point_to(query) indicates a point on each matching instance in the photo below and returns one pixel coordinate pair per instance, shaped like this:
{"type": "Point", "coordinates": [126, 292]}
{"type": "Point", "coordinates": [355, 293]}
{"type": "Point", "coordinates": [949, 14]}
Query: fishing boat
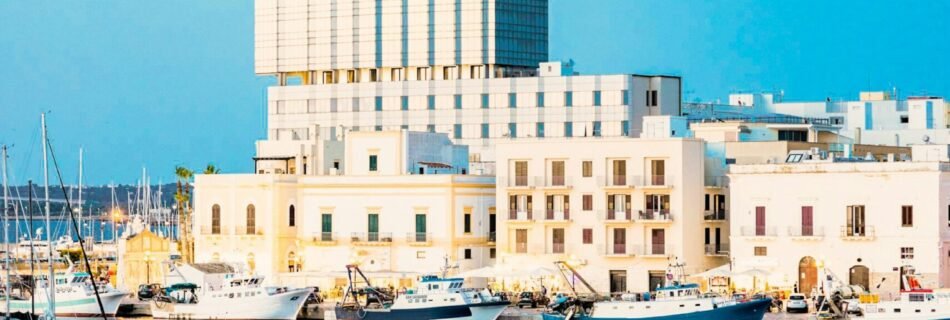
{"type": "Point", "coordinates": [74, 297]}
{"type": "Point", "coordinates": [674, 301]}
{"type": "Point", "coordinates": [242, 298]}
{"type": "Point", "coordinates": [434, 299]}
{"type": "Point", "coordinates": [915, 302]}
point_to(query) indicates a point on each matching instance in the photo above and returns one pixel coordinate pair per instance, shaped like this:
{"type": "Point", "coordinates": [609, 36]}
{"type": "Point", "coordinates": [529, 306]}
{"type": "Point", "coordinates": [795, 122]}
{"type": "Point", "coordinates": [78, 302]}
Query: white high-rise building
{"type": "Point", "coordinates": [474, 69]}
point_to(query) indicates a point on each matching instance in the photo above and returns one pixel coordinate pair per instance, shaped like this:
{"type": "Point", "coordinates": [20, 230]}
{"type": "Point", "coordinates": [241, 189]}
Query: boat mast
{"type": "Point", "coordinates": [32, 251]}
{"type": "Point", "coordinates": [80, 191]}
{"type": "Point", "coordinates": [51, 282]}
{"type": "Point", "coordinates": [6, 230]}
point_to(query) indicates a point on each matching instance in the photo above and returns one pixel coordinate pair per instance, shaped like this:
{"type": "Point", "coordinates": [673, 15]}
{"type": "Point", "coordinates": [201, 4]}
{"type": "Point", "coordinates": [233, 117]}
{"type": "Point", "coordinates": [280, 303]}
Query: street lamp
{"type": "Point", "coordinates": [148, 267]}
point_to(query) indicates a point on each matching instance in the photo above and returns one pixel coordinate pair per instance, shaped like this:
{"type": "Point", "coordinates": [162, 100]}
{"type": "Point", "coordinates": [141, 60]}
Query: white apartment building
{"type": "Point", "coordinates": [472, 69]}
{"type": "Point", "coordinates": [876, 118]}
{"type": "Point", "coordinates": [620, 209]}
{"type": "Point", "coordinates": [864, 221]}
{"type": "Point", "coordinates": [380, 212]}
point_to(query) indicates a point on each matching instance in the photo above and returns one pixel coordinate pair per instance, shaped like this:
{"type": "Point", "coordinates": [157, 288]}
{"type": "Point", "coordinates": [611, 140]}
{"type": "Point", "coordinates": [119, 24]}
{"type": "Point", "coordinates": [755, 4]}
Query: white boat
{"type": "Point", "coordinates": [74, 298]}
{"type": "Point", "coordinates": [434, 299]}
{"type": "Point", "coordinates": [915, 303]}
{"type": "Point", "coordinates": [244, 298]}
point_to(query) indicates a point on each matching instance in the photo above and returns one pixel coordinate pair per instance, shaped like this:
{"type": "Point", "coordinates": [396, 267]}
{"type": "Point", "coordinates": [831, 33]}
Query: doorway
{"type": "Point", "coordinates": [807, 275]}
{"type": "Point", "coordinates": [656, 279]}
{"type": "Point", "coordinates": [860, 275]}
{"type": "Point", "coordinates": [618, 281]}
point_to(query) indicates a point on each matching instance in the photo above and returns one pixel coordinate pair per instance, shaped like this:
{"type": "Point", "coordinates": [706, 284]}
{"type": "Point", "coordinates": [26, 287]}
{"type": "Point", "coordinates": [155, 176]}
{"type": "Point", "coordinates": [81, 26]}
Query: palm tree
{"type": "Point", "coordinates": [183, 197]}
{"type": "Point", "coordinates": [212, 169]}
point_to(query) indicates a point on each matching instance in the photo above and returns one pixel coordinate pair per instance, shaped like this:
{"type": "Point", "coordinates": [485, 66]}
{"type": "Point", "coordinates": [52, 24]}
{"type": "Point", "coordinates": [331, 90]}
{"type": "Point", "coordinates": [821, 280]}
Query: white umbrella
{"type": "Point", "coordinates": [720, 271]}
{"type": "Point", "coordinates": [755, 273]}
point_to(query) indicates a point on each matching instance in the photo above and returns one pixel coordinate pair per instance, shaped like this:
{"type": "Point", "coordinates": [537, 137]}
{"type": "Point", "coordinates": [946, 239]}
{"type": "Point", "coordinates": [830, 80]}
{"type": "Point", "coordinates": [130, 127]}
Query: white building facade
{"type": "Point", "coordinates": [621, 210]}
{"type": "Point", "coordinates": [472, 69]}
{"type": "Point", "coordinates": [864, 221]}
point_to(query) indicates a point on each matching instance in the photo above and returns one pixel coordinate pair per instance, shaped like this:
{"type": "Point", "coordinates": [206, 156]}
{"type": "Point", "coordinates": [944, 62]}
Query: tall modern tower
{"type": "Point", "coordinates": [474, 69]}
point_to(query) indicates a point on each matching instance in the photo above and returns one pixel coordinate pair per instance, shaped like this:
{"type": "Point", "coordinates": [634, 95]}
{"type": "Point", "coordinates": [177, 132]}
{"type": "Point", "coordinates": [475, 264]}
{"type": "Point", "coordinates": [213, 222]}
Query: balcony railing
{"type": "Point", "coordinates": [248, 230]}
{"type": "Point", "coordinates": [491, 237]}
{"type": "Point", "coordinates": [657, 249]}
{"type": "Point", "coordinates": [521, 181]}
{"type": "Point", "coordinates": [555, 215]}
{"type": "Point", "coordinates": [717, 181]}
{"type": "Point", "coordinates": [324, 237]}
{"type": "Point", "coordinates": [557, 248]}
{"type": "Point", "coordinates": [806, 231]}
{"type": "Point", "coordinates": [661, 215]}
{"type": "Point", "coordinates": [418, 237]}
{"type": "Point", "coordinates": [619, 248]}
{"type": "Point", "coordinates": [371, 237]}
{"type": "Point", "coordinates": [757, 231]}
{"type": "Point", "coordinates": [715, 215]}
{"type": "Point", "coordinates": [617, 215]}
{"type": "Point", "coordinates": [211, 230]}
{"type": "Point", "coordinates": [520, 215]}
{"type": "Point", "coordinates": [658, 180]}
{"type": "Point", "coordinates": [558, 181]}
{"type": "Point", "coordinates": [717, 249]}
{"type": "Point", "coordinates": [857, 233]}
{"type": "Point", "coordinates": [521, 248]}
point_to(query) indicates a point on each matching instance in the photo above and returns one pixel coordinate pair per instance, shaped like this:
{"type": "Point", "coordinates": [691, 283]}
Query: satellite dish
{"type": "Point", "coordinates": [926, 139]}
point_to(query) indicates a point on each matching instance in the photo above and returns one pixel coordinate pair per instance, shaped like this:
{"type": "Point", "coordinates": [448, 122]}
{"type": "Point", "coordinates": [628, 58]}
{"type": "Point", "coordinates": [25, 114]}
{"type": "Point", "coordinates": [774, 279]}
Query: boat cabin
{"type": "Point", "coordinates": [678, 291]}
{"type": "Point", "coordinates": [433, 284]}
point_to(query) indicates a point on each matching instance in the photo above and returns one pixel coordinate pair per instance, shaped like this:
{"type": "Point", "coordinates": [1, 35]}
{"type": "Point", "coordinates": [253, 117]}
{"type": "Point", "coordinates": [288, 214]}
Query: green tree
{"type": "Point", "coordinates": [183, 198]}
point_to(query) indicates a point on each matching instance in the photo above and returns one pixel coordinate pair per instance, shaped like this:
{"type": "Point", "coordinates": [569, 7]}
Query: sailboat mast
{"type": "Point", "coordinates": [80, 191]}
{"type": "Point", "coordinates": [6, 230]}
{"type": "Point", "coordinates": [51, 282]}
{"type": "Point", "coordinates": [32, 251]}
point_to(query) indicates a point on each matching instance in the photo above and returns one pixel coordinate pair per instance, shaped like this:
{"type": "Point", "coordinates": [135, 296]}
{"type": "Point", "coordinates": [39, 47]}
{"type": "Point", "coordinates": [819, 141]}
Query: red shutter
{"type": "Point", "coordinates": [760, 221]}
{"type": "Point", "coordinates": [807, 222]}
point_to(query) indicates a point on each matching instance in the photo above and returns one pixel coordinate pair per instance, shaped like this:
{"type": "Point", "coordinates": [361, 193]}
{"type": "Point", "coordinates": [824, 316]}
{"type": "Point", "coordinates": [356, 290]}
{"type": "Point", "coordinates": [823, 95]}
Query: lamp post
{"type": "Point", "coordinates": [148, 267]}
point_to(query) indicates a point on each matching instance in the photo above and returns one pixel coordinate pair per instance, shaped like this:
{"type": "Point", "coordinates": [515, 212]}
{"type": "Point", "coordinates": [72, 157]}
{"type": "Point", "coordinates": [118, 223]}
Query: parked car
{"type": "Point", "coordinates": [527, 299]}
{"type": "Point", "coordinates": [148, 291]}
{"type": "Point", "coordinates": [797, 303]}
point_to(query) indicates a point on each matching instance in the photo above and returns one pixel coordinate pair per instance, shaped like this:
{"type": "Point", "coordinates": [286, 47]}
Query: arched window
{"type": "Point", "coordinates": [251, 221]}
{"type": "Point", "coordinates": [215, 219]}
{"type": "Point", "coordinates": [292, 216]}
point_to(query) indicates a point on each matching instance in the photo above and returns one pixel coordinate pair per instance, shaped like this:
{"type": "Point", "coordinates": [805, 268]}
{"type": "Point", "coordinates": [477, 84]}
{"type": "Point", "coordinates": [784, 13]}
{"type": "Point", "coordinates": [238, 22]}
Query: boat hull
{"type": "Point", "coordinates": [284, 305]}
{"type": "Point", "coordinates": [432, 313]}
{"type": "Point", "coordinates": [72, 306]}
{"type": "Point", "coordinates": [752, 310]}
{"type": "Point", "coordinates": [487, 311]}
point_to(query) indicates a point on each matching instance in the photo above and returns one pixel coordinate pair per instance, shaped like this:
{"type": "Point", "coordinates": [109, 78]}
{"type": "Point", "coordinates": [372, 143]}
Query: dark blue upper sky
{"type": "Point", "coordinates": [159, 83]}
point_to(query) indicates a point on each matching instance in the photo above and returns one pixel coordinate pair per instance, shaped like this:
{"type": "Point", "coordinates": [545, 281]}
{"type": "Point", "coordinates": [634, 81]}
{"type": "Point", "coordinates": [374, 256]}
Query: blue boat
{"type": "Point", "coordinates": [675, 301]}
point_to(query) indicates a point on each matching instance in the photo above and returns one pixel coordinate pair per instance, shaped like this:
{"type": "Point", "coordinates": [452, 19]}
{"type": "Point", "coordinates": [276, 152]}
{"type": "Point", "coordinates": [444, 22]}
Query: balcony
{"type": "Point", "coordinates": [715, 216]}
{"type": "Point", "coordinates": [716, 182]}
{"type": "Point", "coordinates": [659, 182]}
{"type": "Point", "coordinates": [325, 238]}
{"type": "Point", "coordinates": [760, 232]}
{"type": "Point", "coordinates": [372, 238]}
{"type": "Point", "coordinates": [717, 249]}
{"type": "Point", "coordinates": [558, 182]}
{"type": "Point", "coordinates": [806, 233]}
{"type": "Point", "coordinates": [419, 238]}
{"type": "Point", "coordinates": [657, 250]}
{"type": "Point", "coordinates": [655, 216]}
{"type": "Point", "coordinates": [520, 215]}
{"type": "Point", "coordinates": [563, 215]}
{"type": "Point", "coordinates": [620, 250]}
{"type": "Point", "coordinates": [858, 233]}
{"type": "Point", "coordinates": [248, 231]}
{"type": "Point", "coordinates": [616, 216]}
{"type": "Point", "coordinates": [618, 181]}
{"type": "Point", "coordinates": [522, 182]}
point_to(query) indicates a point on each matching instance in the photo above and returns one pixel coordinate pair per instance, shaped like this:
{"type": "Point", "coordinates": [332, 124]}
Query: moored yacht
{"type": "Point", "coordinates": [915, 302]}
{"type": "Point", "coordinates": [244, 298]}
{"type": "Point", "coordinates": [74, 297]}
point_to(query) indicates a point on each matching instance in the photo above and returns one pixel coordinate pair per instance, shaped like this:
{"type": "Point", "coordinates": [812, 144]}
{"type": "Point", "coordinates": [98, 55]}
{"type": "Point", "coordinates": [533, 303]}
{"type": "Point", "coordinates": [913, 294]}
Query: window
{"type": "Point", "coordinates": [568, 99]}
{"type": "Point", "coordinates": [907, 253]}
{"type": "Point", "coordinates": [291, 216]}
{"type": "Point", "coordinates": [404, 127]}
{"type": "Point", "coordinates": [539, 129]}
{"type": "Point", "coordinates": [557, 240]}
{"type": "Point", "coordinates": [587, 169]}
{"type": "Point", "coordinates": [521, 241]}
{"type": "Point", "coordinates": [837, 120]}
{"type": "Point", "coordinates": [491, 253]}
{"type": "Point", "coordinates": [420, 227]}
{"type": "Point", "coordinates": [512, 130]}
{"type": "Point", "coordinates": [793, 135]}
{"type": "Point", "coordinates": [251, 220]}
{"type": "Point", "coordinates": [905, 119]}
{"type": "Point", "coordinates": [597, 98]}
{"type": "Point", "coordinates": [854, 220]}
{"type": "Point", "coordinates": [326, 227]}
{"type": "Point", "coordinates": [485, 132]}
{"type": "Point", "coordinates": [404, 103]}
{"type": "Point", "coordinates": [422, 74]}
{"type": "Point", "coordinates": [373, 75]}
{"type": "Point", "coordinates": [468, 254]}
{"type": "Point", "coordinates": [430, 128]}
{"type": "Point", "coordinates": [512, 100]}
{"type": "Point", "coordinates": [373, 165]}
{"type": "Point", "coordinates": [653, 95]}
{"type": "Point", "coordinates": [350, 76]}
{"type": "Point", "coordinates": [467, 228]}
{"type": "Point", "coordinates": [379, 103]}
{"type": "Point", "coordinates": [540, 97]}
{"type": "Point", "coordinates": [907, 216]}
{"type": "Point", "coordinates": [625, 96]}
{"type": "Point", "coordinates": [625, 128]}
{"type": "Point", "coordinates": [588, 235]}
{"type": "Point", "coordinates": [215, 219]}
{"type": "Point", "coordinates": [457, 131]}
{"type": "Point", "coordinates": [458, 101]}
{"type": "Point", "coordinates": [431, 103]}
{"type": "Point", "coordinates": [372, 226]}
{"type": "Point", "coordinates": [596, 132]}
{"type": "Point", "coordinates": [485, 100]}
{"type": "Point", "coordinates": [761, 251]}
{"type": "Point", "coordinates": [568, 129]}
{"type": "Point", "coordinates": [420, 254]}
{"type": "Point", "coordinates": [588, 200]}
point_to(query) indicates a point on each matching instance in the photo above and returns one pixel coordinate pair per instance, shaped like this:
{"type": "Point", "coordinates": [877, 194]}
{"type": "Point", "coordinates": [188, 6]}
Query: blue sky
{"type": "Point", "coordinates": [159, 83]}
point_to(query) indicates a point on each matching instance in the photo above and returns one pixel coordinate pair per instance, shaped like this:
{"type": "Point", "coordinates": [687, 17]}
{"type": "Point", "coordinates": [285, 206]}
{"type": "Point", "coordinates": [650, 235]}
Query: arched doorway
{"type": "Point", "coordinates": [860, 275]}
{"type": "Point", "coordinates": [807, 275]}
